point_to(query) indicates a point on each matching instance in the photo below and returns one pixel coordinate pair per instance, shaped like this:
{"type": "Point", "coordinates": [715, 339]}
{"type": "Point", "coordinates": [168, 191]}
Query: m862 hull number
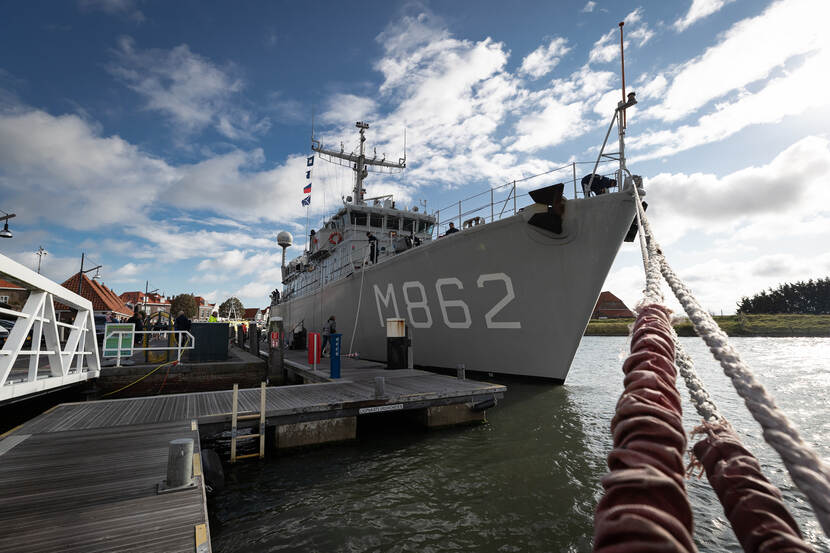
{"type": "Point", "coordinates": [455, 313]}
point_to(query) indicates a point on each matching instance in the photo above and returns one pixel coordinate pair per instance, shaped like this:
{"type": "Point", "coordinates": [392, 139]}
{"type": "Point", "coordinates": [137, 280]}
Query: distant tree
{"type": "Point", "coordinates": [811, 297]}
{"type": "Point", "coordinates": [186, 303]}
{"type": "Point", "coordinates": [225, 307]}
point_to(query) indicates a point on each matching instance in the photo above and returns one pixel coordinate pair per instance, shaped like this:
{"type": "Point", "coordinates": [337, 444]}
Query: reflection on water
{"type": "Point", "coordinates": [526, 481]}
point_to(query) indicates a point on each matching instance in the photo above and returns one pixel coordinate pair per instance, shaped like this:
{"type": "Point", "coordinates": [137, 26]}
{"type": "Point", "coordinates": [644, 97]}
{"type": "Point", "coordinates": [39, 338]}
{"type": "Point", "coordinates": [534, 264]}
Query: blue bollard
{"type": "Point", "coordinates": [334, 362]}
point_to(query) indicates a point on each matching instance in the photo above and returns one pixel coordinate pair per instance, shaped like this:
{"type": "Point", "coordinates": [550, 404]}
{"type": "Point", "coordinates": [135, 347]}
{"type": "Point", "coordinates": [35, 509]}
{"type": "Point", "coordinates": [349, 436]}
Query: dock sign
{"type": "Point", "coordinates": [380, 409]}
{"type": "Point", "coordinates": [111, 343]}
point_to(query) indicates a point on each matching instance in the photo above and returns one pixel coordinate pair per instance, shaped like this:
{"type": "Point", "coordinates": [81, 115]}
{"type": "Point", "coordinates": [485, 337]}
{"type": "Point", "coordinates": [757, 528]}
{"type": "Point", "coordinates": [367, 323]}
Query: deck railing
{"type": "Point", "coordinates": [68, 362]}
{"type": "Point", "coordinates": [506, 199]}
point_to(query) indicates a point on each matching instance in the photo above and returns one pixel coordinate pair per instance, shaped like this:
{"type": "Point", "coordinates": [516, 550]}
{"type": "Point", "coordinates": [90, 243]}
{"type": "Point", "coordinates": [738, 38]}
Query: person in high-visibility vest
{"type": "Point", "coordinates": [212, 318]}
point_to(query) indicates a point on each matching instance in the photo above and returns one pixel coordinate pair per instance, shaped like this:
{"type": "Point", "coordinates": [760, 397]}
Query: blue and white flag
{"type": "Point", "coordinates": [307, 201]}
{"type": "Point", "coordinates": [308, 174]}
{"type": "Point", "coordinates": [309, 161]}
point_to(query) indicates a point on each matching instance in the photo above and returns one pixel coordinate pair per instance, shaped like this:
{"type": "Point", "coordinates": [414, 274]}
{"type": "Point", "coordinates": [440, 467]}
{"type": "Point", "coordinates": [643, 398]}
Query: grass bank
{"type": "Point", "coordinates": [733, 325]}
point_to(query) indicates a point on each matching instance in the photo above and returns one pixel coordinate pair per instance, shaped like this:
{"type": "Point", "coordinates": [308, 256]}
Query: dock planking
{"type": "Point", "coordinates": [83, 476]}
{"type": "Point", "coordinates": [94, 490]}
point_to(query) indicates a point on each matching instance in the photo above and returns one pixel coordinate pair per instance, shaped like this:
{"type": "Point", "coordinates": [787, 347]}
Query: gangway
{"type": "Point", "coordinates": [69, 362]}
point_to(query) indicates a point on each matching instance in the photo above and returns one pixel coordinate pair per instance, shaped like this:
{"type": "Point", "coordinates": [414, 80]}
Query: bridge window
{"type": "Point", "coordinates": [392, 222]}
{"type": "Point", "coordinates": [358, 218]}
{"type": "Point", "coordinates": [425, 226]}
{"type": "Point", "coordinates": [409, 225]}
{"type": "Point", "coordinates": [376, 220]}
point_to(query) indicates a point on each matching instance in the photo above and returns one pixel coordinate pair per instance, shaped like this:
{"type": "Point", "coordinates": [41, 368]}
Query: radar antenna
{"type": "Point", "coordinates": [358, 162]}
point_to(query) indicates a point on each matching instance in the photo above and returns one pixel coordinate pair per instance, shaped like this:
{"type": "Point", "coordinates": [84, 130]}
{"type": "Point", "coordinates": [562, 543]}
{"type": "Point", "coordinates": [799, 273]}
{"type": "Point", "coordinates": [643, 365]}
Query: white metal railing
{"type": "Point", "coordinates": [180, 335]}
{"type": "Point", "coordinates": [503, 201]}
{"type": "Point", "coordinates": [69, 362]}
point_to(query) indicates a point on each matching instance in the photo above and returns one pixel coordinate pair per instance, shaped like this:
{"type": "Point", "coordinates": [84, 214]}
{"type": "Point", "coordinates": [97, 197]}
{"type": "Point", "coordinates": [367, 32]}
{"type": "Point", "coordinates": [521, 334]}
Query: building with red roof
{"type": "Point", "coordinates": [12, 295]}
{"type": "Point", "coordinates": [103, 298]}
{"type": "Point", "coordinates": [251, 314]}
{"type": "Point", "coordinates": [149, 303]}
{"type": "Point", "coordinates": [610, 306]}
{"type": "Point", "coordinates": [205, 307]}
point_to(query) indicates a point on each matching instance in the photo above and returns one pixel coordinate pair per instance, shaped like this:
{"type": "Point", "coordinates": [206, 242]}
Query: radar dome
{"type": "Point", "coordinates": [284, 239]}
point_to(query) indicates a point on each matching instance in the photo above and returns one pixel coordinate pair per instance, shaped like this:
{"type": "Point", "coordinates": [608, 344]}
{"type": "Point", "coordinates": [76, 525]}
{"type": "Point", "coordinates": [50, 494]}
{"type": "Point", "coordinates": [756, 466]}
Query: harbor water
{"type": "Point", "coordinates": [526, 481]}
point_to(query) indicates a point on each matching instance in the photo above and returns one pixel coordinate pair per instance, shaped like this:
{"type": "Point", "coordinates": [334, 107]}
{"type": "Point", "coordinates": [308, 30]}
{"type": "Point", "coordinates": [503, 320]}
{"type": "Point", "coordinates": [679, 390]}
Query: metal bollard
{"type": "Point", "coordinates": [380, 387]}
{"type": "Point", "coordinates": [460, 370]}
{"type": "Point", "coordinates": [179, 463]}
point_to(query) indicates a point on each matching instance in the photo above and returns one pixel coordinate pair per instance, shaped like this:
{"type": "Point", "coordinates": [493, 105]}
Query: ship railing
{"type": "Point", "coordinates": [48, 362]}
{"type": "Point", "coordinates": [507, 199]}
{"type": "Point", "coordinates": [125, 348]}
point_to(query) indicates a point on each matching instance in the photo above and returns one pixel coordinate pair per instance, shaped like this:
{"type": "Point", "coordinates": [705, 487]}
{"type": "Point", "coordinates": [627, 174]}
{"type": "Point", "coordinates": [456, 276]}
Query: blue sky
{"type": "Point", "coordinates": [167, 140]}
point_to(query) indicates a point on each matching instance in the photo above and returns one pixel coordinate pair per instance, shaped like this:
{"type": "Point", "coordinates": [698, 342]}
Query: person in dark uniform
{"type": "Point", "coordinates": [451, 230]}
{"type": "Point", "coordinates": [182, 323]}
{"type": "Point", "coordinates": [138, 320]}
{"type": "Point", "coordinates": [373, 247]}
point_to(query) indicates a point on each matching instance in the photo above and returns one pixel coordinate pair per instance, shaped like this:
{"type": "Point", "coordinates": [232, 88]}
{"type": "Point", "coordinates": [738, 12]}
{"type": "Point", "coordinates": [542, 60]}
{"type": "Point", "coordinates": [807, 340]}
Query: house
{"type": "Point", "coordinates": [205, 308]}
{"type": "Point", "coordinates": [12, 295]}
{"type": "Point", "coordinates": [103, 298]}
{"type": "Point", "coordinates": [252, 314]}
{"type": "Point", "coordinates": [149, 303]}
{"type": "Point", "coordinates": [610, 306]}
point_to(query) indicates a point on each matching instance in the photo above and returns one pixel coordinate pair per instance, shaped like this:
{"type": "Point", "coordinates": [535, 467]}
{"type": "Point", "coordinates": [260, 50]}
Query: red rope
{"type": "Point", "coordinates": [752, 504]}
{"type": "Point", "coordinates": [645, 507]}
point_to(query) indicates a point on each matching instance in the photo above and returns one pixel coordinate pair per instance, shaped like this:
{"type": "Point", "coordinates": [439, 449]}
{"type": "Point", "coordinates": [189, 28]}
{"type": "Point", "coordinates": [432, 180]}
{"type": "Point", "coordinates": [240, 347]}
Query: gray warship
{"type": "Point", "coordinates": [508, 294]}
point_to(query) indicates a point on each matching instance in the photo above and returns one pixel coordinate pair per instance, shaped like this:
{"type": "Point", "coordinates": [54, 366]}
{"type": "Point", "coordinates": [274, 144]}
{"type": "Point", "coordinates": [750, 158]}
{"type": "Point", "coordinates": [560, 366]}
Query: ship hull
{"type": "Point", "coordinates": [505, 297]}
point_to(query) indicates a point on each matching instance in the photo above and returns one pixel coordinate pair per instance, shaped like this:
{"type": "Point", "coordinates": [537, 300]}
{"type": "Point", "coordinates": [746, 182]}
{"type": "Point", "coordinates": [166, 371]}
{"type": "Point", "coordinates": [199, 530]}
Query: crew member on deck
{"type": "Point", "coordinates": [373, 247]}
{"type": "Point", "coordinates": [451, 230]}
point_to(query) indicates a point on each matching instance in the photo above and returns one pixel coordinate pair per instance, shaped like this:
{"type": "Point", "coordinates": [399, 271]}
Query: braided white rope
{"type": "Point", "coordinates": [701, 399]}
{"type": "Point", "coordinates": [652, 293]}
{"type": "Point", "coordinates": [806, 468]}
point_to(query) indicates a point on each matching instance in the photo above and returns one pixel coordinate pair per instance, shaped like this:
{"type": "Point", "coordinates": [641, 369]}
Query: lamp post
{"type": "Point", "coordinates": [82, 273]}
{"type": "Point", "coordinates": [146, 293]}
{"type": "Point", "coordinates": [6, 233]}
{"type": "Point", "coordinates": [40, 253]}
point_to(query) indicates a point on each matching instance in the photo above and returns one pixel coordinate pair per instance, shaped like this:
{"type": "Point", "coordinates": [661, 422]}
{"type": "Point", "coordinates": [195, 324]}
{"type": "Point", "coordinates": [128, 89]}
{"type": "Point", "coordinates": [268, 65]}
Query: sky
{"type": "Point", "coordinates": [167, 141]}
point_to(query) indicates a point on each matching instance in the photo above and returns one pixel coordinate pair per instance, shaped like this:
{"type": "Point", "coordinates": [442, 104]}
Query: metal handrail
{"type": "Point", "coordinates": [70, 361]}
{"type": "Point", "coordinates": [121, 333]}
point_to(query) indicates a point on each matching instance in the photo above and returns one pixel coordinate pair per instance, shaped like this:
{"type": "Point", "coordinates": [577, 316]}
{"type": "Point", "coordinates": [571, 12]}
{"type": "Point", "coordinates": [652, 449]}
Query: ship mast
{"type": "Point", "coordinates": [358, 162]}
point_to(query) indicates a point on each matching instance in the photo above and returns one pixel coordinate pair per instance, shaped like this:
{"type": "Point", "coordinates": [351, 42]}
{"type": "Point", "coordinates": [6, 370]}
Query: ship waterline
{"type": "Point", "coordinates": [506, 297]}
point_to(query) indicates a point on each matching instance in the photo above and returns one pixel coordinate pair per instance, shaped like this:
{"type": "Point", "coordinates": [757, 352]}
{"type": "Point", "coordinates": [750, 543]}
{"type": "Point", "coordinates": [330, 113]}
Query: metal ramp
{"type": "Point", "coordinates": [48, 362]}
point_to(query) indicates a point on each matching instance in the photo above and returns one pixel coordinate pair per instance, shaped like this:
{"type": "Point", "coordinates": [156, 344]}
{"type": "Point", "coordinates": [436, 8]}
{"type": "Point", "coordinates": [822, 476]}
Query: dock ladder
{"type": "Point", "coordinates": [236, 417]}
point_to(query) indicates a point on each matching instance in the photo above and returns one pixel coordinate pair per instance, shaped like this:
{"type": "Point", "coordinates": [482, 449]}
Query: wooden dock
{"type": "Point", "coordinates": [93, 489]}
{"type": "Point", "coordinates": [82, 476]}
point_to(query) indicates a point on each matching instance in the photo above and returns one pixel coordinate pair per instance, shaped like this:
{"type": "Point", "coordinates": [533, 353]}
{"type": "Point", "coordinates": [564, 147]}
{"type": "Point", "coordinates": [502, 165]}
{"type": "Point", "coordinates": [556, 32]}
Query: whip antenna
{"type": "Point", "coordinates": [622, 63]}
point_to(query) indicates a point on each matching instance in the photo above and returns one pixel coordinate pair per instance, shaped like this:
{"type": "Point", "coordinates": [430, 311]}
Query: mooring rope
{"type": "Point", "coordinates": [806, 468]}
{"type": "Point", "coordinates": [652, 293]}
{"type": "Point", "coordinates": [645, 506]}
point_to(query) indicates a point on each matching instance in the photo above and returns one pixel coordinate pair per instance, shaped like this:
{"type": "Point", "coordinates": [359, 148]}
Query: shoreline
{"type": "Point", "coordinates": [762, 326]}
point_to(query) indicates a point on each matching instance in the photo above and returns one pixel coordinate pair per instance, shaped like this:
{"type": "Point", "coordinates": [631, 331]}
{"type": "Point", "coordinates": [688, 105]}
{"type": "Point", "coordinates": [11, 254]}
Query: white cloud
{"type": "Point", "coordinates": [560, 114]}
{"type": "Point", "coordinates": [43, 156]}
{"type": "Point", "coordinates": [542, 60]}
{"type": "Point", "coordinates": [790, 189]}
{"type": "Point", "coordinates": [791, 94]}
{"type": "Point", "coordinates": [697, 11]}
{"type": "Point", "coordinates": [345, 107]}
{"type": "Point", "coordinates": [589, 7]}
{"type": "Point", "coordinates": [187, 87]}
{"type": "Point", "coordinates": [748, 52]}
{"type": "Point", "coordinates": [127, 271]}
{"type": "Point", "coordinates": [607, 48]}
